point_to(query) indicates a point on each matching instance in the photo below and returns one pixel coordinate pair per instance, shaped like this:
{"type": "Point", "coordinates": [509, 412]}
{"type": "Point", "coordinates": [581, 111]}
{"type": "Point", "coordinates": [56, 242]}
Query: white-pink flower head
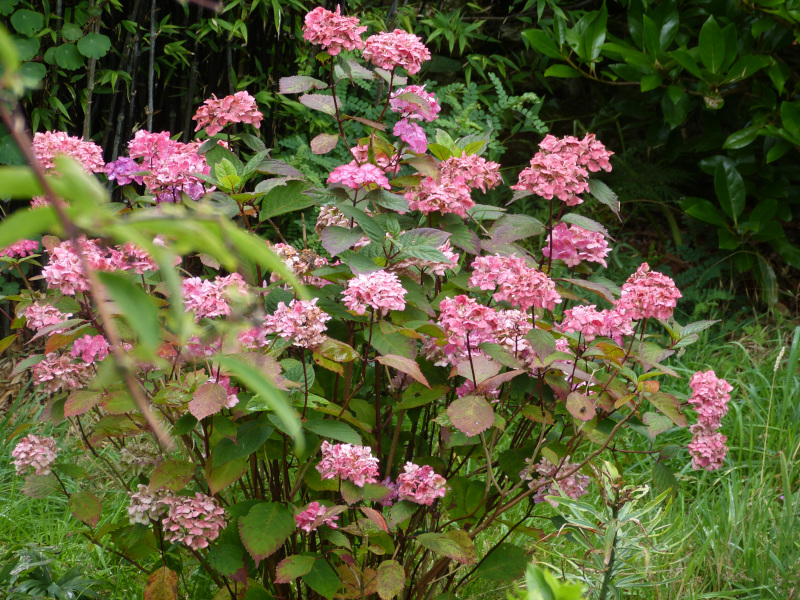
{"type": "Point", "coordinates": [425, 107]}
{"type": "Point", "coordinates": [216, 113]}
{"type": "Point", "coordinates": [575, 244]}
{"type": "Point", "coordinates": [313, 516]}
{"type": "Point", "coordinates": [354, 463]}
{"type": "Point", "coordinates": [39, 315]}
{"type": "Point", "coordinates": [379, 290]}
{"type": "Point", "coordinates": [396, 49]}
{"type": "Point", "coordinates": [90, 348]}
{"type": "Point", "coordinates": [574, 486]}
{"type": "Point", "coordinates": [57, 371]}
{"type": "Point", "coordinates": [707, 448]}
{"type": "Point", "coordinates": [48, 145]}
{"type": "Point", "coordinates": [420, 484]}
{"type": "Point", "coordinates": [193, 522]}
{"type": "Point", "coordinates": [514, 281]}
{"type": "Point", "coordinates": [585, 320]}
{"type": "Point", "coordinates": [356, 176]}
{"type": "Point", "coordinates": [302, 322]}
{"type": "Point", "coordinates": [333, 31]}
{"type": "Point", "coordinates": [20, 249]}
{"type": "Point", "coordinates": [710, 397]}
{"type": "Point", "coordinates": [648, 294]}
{"type": "Point", "coordinates": [144, 505]}
{"type": "Point", "coordinates": [475, 171]}
{"type": "Point", "coordinates": [36, 453]}
{"type": "Point", "coordinates": [209, 299]}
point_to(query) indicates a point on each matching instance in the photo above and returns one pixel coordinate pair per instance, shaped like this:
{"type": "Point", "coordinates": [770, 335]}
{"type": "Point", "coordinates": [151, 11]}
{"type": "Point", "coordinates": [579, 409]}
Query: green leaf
{"type": "Point", "coordinates": [319, 102]}
{"type": "Point", "coordinates": [27, 22]}
{"type": "Point", "coordinates": [335, 430]}
{"type": "Point", "coordinates": [285, 199]}
{"type": "Point", "coordinates": [85, 507]}
{"type": "Point", "coordinates": [471, 415]}
{"type": "Point", "coordinates": [703, 210]}
{"type": "Point", "coordinates": [562, 71]}
{"type": "Point", "coordinates": [322, 579]}
{"type": "Point", "coordinates": [68, 57]}
{"type": "Point", "coordinates": [511, 228]}
{"type": "Point", "coordinates": [729, 185]}
{"type": "Point", "coordinates": [505, 563]}
{"type": "Point", "coordinates": [299, 84]}
{"type": "Point", "coordinates": [391, 579]}
{"type": "Point", "coordinates": [137, 308]}
{"type": "Point", "coordinates": [172, 475]}
{"type": "Point", "coordinates": [393, 343]}
{"type": "Point", "coordinates": [226, 559]}
{"type": "Point", "coordinates": [94, 45]}
{"type": "Point", "coordinates": [542, 42]}
{"type": "Point", "coordinates": [24, 224]}
{"type": "Point", "coordinates": [265, 528]}
{"type": "Point", "coordinates": [404, 365]}
{"type": "Point", "coordinates": [742, 138]}
{"type": "Point", "coordinates": [389, 201]}
{"type": "Point", "coordinates": [337, 239]}
{"type": "Point", "coordinates": [455, 545]}
{"type": "Point", "coordinates": [595, 34]}
{"type": "Point", "coordinates": [367, 223]}
{"type": "Point", "coordinates": [790, 120]}
{"type": "Point", "coordinates": [221, 477]}
{"type": "Point", "coordinates": [250, 436]}
{"type": "Point", "coordinates": [669, 406]}
{"type": "Point", "coordinates": [712, 45]}
{"type": "Point", "coordinates": [292, 567]}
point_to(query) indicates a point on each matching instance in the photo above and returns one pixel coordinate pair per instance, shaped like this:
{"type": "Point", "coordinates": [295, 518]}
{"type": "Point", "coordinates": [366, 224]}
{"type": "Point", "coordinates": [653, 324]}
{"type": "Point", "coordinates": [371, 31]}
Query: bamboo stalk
{"type": "Point", "coordinates": [151, 72]}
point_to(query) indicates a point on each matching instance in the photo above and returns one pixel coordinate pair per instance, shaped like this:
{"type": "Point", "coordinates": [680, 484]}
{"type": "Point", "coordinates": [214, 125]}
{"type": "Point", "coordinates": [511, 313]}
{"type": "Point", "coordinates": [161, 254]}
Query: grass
{"type": "Point", "coordinates": [731, 534]}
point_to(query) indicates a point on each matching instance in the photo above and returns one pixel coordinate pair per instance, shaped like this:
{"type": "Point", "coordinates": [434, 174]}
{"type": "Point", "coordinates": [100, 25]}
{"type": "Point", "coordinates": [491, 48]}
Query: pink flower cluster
{"type": "Point", "coordinates": [450, 191]}
{"type": "Point", "coordinates": [232, 391]}
{"type": "Point", "coordinates": [313, 516]}
{"type": "Point", "coordinates": [145, 506]}
{"type": "Point", "coordinates": [420, 484]}
{"type": "Point", "coordinates": [354, 463]}
{"type": "Point", "coordinates": [48, 145]}
{"type": "Point", "coordinates": [412, 134]}
{"type": "Point", "coordinates": [389, 164]}
{"type": "Point", "coordinates": [122, 170]}
{"type": "Point", "coordinates": [356, 176]}
{"type": "Point", "coordinates": [575, 244]}
{"type": "Point", "coordinates": [209, 299]}
{"type": "Point", "coordinates": [193, 522]}
{"type": "Point", "coordinates": [33, 452]}
{"type": "Point", "coordinates": [379, 290]}
{"type": "Point", "coordinates": [648, 294]}
{"type": "Point", "coordinates": [589, 322]}
{"type": "Point", "coordinates": [20, 249]}
{"type": "Point", "coordinates": [710, 397]}
{"type": "Point", "coordinates": [301, 263]}
{"type": "Point", "coordinates": [425, 107]}
{"type": "Point", "coordinates": [333, 31]}
{"type": "Point", "coordinates": [57, 371]}
{"type": "Point", "coordinates": [467, 324]}
{"type": "Point", "coordinates": [302, 322]}
{"type": "Point", "coordinates": [216, 113]}
{"type": "Point", "coordinates": [574, 486]}
{"type": "Point", "coordinates": [590, 152]}
{"type": "Point", "coordinates": [39, 315]}
{"type": "Point", "coordinates": [514, 281]}
{"type": "Point", "coordinates": [90, 348]}
{"type": "Point", "coordinates": [437, 268]}
{"type": "Point", "coordinates": [396, 49]}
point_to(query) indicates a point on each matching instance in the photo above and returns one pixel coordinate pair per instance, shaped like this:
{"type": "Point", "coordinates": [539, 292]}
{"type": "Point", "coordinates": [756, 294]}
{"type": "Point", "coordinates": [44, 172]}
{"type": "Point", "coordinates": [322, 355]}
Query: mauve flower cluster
{"type": "Point", "coordinates": [710, 397]}
{"type": "Point", "coordinates": [313, 516]}
{"type": "Point", "coordinates": [145, 506]}
{"type": "Point", "coordinates": [20, 249]}
{"type": "Point", "coordinates": [412, 134]}
{"type": "Point", "coordinates": [467, 324]}
{"type": "Point", "coordinates": [216, 113]}
{"type": "Point", "coordinates": [590, 152]}
{"type": "Point", "coordinates": [420, 484]}
{"type": "Point", "coordinates": [379, 290]}
{"type": "Point", "coordinates": [90, 348]}
{"type": "Point", "coordinates": [648, 294]}
{"type": "Point", "coordinates": [354, 463]}
{"type": "Point", "coordinates": [39, 315]}
{"type": "Point", "coordinates": [356, 176]}
{"type": "Point", "coordinates": [398, 48]}
{"type": "Point", "coordinates": [209, 299]}
{"type": "Point", "coordinates": [34, 452]}
{"type": "Point", "coordinates": [58, 371]}
{"type": "Point", "coordinates": [302, 322]}
{"type": "Point", "coordinates": [389, 164]}
{"type": "Point", "coordinates": [514, 281]}
{"type": "Point", "coordinates": [477, 172]}
{"type": "Point", "coordinates": [193, 522]}
{"type": "Point", "coordinates": [575, 244]}
{"type": "Point", "coordinates": [589, 322]}
{"type": "Point", "coordinates": [333, 31]}
{"type": "Point", "coordinates": [574, 486]}
{"type": "Point", "coordinates": [301, 264]}
{"type": "Point", "coordinates": [48, 145]}
{"type": "Point", "coordinates": [425, 107]}
{"type": "Point", "coordinates": [122, 171]}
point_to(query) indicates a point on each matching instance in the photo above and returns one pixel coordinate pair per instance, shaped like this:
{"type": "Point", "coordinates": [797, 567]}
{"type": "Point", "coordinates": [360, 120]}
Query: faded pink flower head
{"type": "Point", "coordinates": [333, 31]}
{"type": "Point", "coordinates": [20, 249]}
{"type": "Point", "coordinates": [585, 320]}
{"type": "Point", "coordinates": [475, 171]}
{"type": "Point", "coordinates": [420, 484]}
{"type": "Point", "coordinates": [122, 170]}
{"type": "Point", "coordinates": [379, 290]}
{"type": "Point", "coordinates": [707, 448]}
{"type": "Point", "coordinates": [575, 244]}
{"type": "Point", "coordinates": [145, 505]}
{"type": "Point", "coordinates": [313, 516]}
{"type": "Point", "coordinates": [64, 270]}
{"type": "Point", "coordinates": [413, 102]}
{"type": "Point", "coordinates": [710, 397]}
{"type": "Point", "coordinates": [389, 164]}
{"type": "Point", "coordinates": [302, 322]}
{"type": "Point", "coordinates": [412, 134]}
{"type": "Point", "coordinates": [396, 49]}
{"type": "Point", "coordinates": [589, 151]}
{"type": "Point", "coordinates": [39, 315]}
{"type": "Point", "coordinates": [216, 113]}
{"type": "Point", "coordinates": [34, 453]}
{"type": "Point", "coordinates": [90, 348]}
{"type": "Point", "coordinates": [573, 486]}
{"type": "Point", "coordinates": [354, 463]}
{"type": "Point", "coordinates": [467, 324]}
{"type": "Point", "coordinates": [514, 282]}
{"type": "Point", "coordinates": [48, 145]}
{"type": "Point", "coordinates": [648, 294]}
{"type": "Point", "coordinates": [58, 372]}
{"type": "Point", "coordinates": [450, 196]}
{"type": "Point", "coordinates": [356, 176]}
{"type": "Point", "coordinates": [132, 258]}
{"type": "Point", "coordinates": [193, 522]}
{"type": "Point", "coordinates": [555, 175]}
{"type": "Point", "coordinates": [209, 299]}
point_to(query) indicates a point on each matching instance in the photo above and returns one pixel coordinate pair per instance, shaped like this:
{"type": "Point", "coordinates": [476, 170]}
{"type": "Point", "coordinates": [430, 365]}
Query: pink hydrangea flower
{"type": "Point", "coordinates": [209, 299]}
{"type": "Point", "coordinates": [302, 263]}
{"type": "Point", "coordinates": [617, 326]}
{"type": "Point", "coordinates": [145, 506]}
{"type": "Point", "coordinates": [132, 258]}
{"type": "Point", "coordinates": [707, 448]}
{"type": "Point", "coordinates": [450, 196]}
{"type": "Point", "coordinates": [193, 522]}
{"type": "Point", "coordinates": [467, 325]}
{"type": "Point", "coordinates": [48, 145]}
{"type": "Point", "coordinates": [354, 463]}
{"type": "Point", "coordinates": [122, 170]}
{"type": "Point", "coordinates": [574, 486]}
{"type": "Point", "coordinates": [420, 484]}
{"type": "Point", "coordinates": [313, 516]}
{"type": "Point", "coordinates": [514, 282]}
{"type": "Point", "coordinates": [302, 322]}
{"type": "Point", "coordinates": [585, 320]}
{"type": "Point", "coordinates": [575, 244]}
{"type": "Point", "coordinates": [389, 164]}
{"type": "Point", "coordinates": [412, 134]}
{"type": "Point", "coordinates": [475, 171]}
{"type": "Point", "coordinates": [426, 110]}
{"type": "Point", "coordinates": [648, 294]}
{"type": "Point", "coordinates": [90, 348]}
{"type": "Point", "coordinates": [20, 249]}
{"type": "Point", "coordinates": [232, 391]}
{"type": "Point", "coordinates": [555, 175]}
{"type": "Point", "coordinates": [589, 151]}
{"type": "Point", "coordinates": [34, 453]}
{"type": "Point", "coordinates": [216, 113]}
{"type": "Point", "coordinates": [64, 270]}
{"type": "Point", "coordinates": [39, 315]}
{"type": "Point", "coordinates": [379, 290]}
{"type": "Point", "coordinates": [57, 371]}
{"type": "Point", "coordinates": [356, 176]}
{"type": "Point", "coordinates": [710, 397]}
{"type": "Point", "coordinates": [396, 49]}
{"type": "Point", "coordinates": [333, 31]}
{"type": "Point", "coordinates": [511, 329]}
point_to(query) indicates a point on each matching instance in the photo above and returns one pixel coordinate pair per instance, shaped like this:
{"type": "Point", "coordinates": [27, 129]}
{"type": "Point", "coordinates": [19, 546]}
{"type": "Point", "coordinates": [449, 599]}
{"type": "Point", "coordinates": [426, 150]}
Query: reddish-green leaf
{"type": "Point", "coordinates": [292, 567]}
{"type": "Point", "coordinates": [85, 507]}
{"type": "Point", "coordinates": [319, 102]}
{"type": "Point", "coordinates": [391, 579]}
{"type": "Point", "coordinates": [455, 545]}
{"type": "Point", "coordinates": [172, 475]}
{"type": "Point", "coordinates": [80, 402]}
{"type": "Point", "coordinates": [299, 84]}
{"type": "Point", "coordinates": [265, 528]}
{"type": "Point", "coordinates": [376, 517]}
{"type": "Point", "coordinates": [209, 399]}
{"type": "Point", "coordinates": [668, 405]}
{"type": "Point", "coordinates": [336, 351]}
{"type": "Point", "coordinates": [162, 585]}
{"type": "Point", "coordinates": [324, 143]}
{"type": "Point", "coordinates": [405, 365]}
{"type": "Point", "coordinates": [580, 406]}
{"type": "Point", "coordinates": [471, 415]}
{"type": "Point", "coordinates": [221, 477]}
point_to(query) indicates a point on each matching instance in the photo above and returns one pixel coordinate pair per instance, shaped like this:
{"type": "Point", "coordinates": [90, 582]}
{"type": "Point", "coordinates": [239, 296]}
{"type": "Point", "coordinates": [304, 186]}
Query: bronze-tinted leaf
{"type": "Point", "coordinates": [471, 415]}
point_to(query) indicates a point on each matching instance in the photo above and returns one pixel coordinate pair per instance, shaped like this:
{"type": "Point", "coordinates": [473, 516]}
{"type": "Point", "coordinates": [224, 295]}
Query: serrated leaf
{"type": "Point", "coordinates": [208, 399]}
{"type": "Point", "coordinates": [172, 475]}
{"type": "Point", "coordinates": [585, 223]}
{"type": "Point", "coordinates": [455, 545]}
{"type": "Point", "coordinates": [336, 351]}
{"type": "Point", "coordinates": [391, 579]}
{"type": "Point", "coordinates": [471, 415]}
{"type": "Point", "coordinates": [697, 327]}
{"type": "Point", "coordinates": [404, 365]}
{"type": "Point", "coordinates": [335, 430]}
{"type": "Point", "coordinates": [668, 405]}
{"type": "Point", "coordinates": [292, 567]}
{"type": "Point", "coordinates": [41, 486]}
{"type": "Point", "coordinates": [324, 143]}
{"type": "Point", "coordinates": [322, 579]}
{"type": "Point", "coordinates": [162, 585]}
{"type": "Point", "coordinates": [227, 474]}
{"type": "Point", "coordinates": [299, 84]}
{"type": "Point", "coordinates": [605, 195]}
{"type": "Point", "coordinates": [580, 406]}
{"type": "Point", "coordinates": [505, 563]}
{"type": "Point", "coordinates": [265, 528]}
{"type": "Point", "coordinates": [319, 102]}
{"type": "Point", "coordinates": [85, 507]}
{"type": "Point", "coordinates": [510, 228]}
{"type": "Point", "coordinates": [80, 402]}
